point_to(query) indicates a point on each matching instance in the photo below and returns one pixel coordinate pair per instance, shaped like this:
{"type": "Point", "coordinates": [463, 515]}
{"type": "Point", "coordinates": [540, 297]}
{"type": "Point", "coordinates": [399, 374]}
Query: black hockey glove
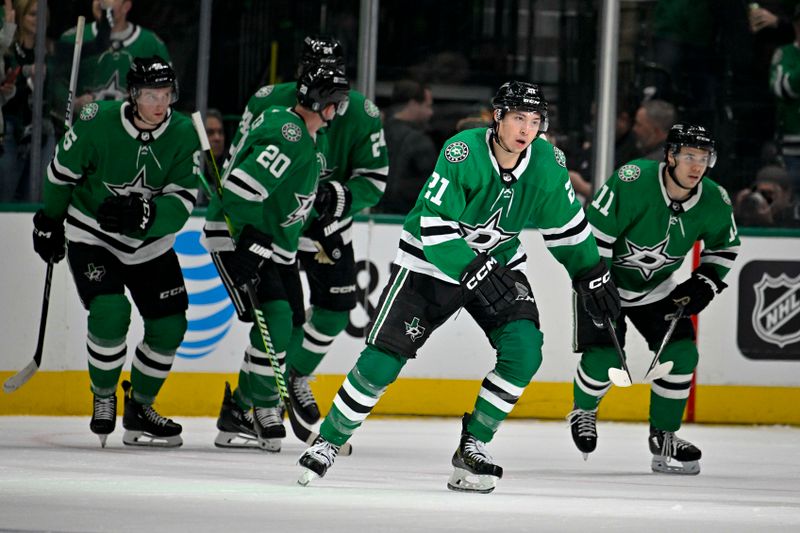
{"type": "Point", "coordinates": [48, 237]}
{"type": "Point", "coordinates": [491, 284]}
{"type": "Point", "coordinates": [333, 200]}
{"type": "Point", "coordinates": [598, 294]}
{"type": "Point", "coordinates": [252, 249]}
{"type": "Point", "coordinates": [696, 293]}
{"type": "Point", "coordinates": [126, 214]}
{"type": "Point", "coordinates": [327, 237]}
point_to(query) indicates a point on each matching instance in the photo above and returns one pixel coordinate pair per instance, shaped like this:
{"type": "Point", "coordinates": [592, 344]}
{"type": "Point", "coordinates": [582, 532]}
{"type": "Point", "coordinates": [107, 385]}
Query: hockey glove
{"type": "Point", "coordinates": [333, 200]}
{"type": "Point", "coordinates": [48, 237]}
{"type": "Point", "coordinates": [491, 284]}
{"type": "Point", "coordinates": [252, 249]}
{"type": "Point", "coordinates": [696, 293]}
{"type": "Point", "coordinates": [327, 237]}
{"type": "Point", "coordinates": [126, 214]}
{"type": "Point", "coordinates": [598, 294]}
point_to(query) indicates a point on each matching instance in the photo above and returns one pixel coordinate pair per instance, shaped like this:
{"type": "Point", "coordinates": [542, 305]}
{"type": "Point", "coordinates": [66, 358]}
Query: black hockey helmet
{"type": "Point", "coordinates": [521, 96]}
{"type": "Point", "coordinates": [151, 72]}
{"type": "Point", "coordinates": [693, 136]}
{"type": "Point", "coordinates": [321, 50]}
{"type": "Point", "coordinates": [320, 86]}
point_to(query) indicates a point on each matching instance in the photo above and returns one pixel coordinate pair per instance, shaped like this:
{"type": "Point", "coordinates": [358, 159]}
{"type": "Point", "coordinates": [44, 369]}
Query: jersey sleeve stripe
{"type": "Point", "coordinates": [431, 222]}
{"type": "Point", "coordinates": [377, 173]}
{"type": "Point", "coordinates": [520, 258]}
{"type": "Point", "coordinates": [245, 186]}
{"type": "Point", "coordinates": [570, 238]}
{"type": "Point", "coordinates": [184, 195]}
{"type": "Point", "coordinates": [578, 221]}
{"type": "Point", "coordinates": [433, 231]}
{"type": "Point", "coordinates": [604, 238]}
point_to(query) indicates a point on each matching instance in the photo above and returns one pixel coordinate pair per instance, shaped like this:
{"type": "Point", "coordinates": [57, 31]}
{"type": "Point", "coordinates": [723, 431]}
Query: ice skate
{"type": "Point", "coordinates": [104, 417]}
{"type": "Point", "coordinates": [235, 425]}
{"type": "Point", "coordinates": [666, 447]}
{"type": "Point", "coordinates": [268, 424]}
{"type": "Point", "coordinates": [303, 402]}
{"type": "Point", "coordinates": [584, 430]}
{"type": "Point", "coordinates": [316, 460]}
{"type": "Point", "coordinates": [474, 469]}
{"type": "Point", "coordinates": [145, 427]}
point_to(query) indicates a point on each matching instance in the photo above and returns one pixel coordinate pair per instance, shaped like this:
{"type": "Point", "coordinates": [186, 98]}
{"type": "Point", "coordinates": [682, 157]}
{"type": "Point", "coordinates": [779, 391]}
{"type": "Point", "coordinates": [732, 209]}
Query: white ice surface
{"type": "Point", "coordinates": [55, 477]}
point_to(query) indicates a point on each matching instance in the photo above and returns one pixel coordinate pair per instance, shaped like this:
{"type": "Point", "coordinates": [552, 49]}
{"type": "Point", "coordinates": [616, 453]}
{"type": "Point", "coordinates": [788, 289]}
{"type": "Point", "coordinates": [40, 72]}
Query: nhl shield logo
{"type": "Point", "coordinates": [776, 314]}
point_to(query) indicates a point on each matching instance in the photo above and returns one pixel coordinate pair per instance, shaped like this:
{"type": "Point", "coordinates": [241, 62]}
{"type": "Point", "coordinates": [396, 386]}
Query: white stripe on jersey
{"type": "Point", "coordinates": [261, 193]}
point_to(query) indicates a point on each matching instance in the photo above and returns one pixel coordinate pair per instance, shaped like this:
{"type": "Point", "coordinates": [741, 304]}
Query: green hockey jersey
{"type": "Point", "coordinates": [646, 241]}
{"type": "Point", "coordinates": [784, 80]}
{"type": "Point", "coordinates": [104, 154]}
{"type": "Point", "coordinates": [465, 208]}
{"type": "Point", "coordinates": [270, 183]}
{"type": "Point", "coordinates": [353, 148]}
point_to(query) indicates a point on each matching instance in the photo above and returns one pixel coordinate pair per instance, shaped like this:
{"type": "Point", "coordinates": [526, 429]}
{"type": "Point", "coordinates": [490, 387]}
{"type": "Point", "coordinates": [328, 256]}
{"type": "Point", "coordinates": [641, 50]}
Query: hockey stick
{"type": "Point", "coordinates": [20, 378]}
{"type": "Point", "coordinates": [659, 370]}
{"type": "Point", "coordinates": [302, 432]}
{"type": "Point", "coordinates": [621, 377]}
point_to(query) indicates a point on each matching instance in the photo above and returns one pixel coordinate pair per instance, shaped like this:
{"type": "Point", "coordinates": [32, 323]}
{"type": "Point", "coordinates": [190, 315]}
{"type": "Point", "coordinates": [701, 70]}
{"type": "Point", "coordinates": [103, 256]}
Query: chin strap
{"type": "Point", "coordinates": [677, 205]}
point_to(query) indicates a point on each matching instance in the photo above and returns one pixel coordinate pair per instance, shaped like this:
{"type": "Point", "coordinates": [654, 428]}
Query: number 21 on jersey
{"type": "Point", "coordinates": [442, 183]}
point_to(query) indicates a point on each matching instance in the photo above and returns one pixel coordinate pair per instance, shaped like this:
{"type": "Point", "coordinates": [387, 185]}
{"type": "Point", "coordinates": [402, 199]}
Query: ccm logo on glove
{"type": "Point", "coordinates": [481, 273]}
{"type": "Point", "coordinates": [599, 282]}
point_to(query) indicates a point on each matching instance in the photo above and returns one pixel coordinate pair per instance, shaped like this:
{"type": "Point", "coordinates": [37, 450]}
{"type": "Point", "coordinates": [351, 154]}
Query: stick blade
{"type": "Point", "coordinates": [619, 377]}
{"type": "Point", "coordinates": [20, 378]}
{"type": "Point", "coordinates": [658, 371]}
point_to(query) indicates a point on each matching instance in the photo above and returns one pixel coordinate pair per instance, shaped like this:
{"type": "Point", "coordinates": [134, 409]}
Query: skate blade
{"type": "Point", "coordinates": [619, 377]}
{"type": "Point", "coordinates": [658, 371]}
{"type": "Point", "coordinates": [229, 439]}
{"type": "Point", "coordinates": [585, 456]}
{"type": "Point", "coordinates": [270, 445]}
{"type": "Point", "coordinates": [661, 465]}
{"type": "Point", "coordinates": [103, 439]}
{"type": "Point", "coordinates": [146, 440]}
{"type": "Point", "coordinates": [465, 481]}
{"type": "Point", "coordinates": [306, 477]}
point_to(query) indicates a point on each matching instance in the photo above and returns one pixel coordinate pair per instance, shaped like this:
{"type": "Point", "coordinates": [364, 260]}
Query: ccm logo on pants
{"type": "Point", "coordinates": [172, 292]}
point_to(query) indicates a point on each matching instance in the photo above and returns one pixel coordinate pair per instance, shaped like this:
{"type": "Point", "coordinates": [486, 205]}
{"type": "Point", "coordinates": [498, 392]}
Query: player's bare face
{"type": "Point", "coordinates": [518, 129]}
{"type": "Point", "coordinates": [690, 165]}
{"type": "Point", "coordinates": [153, 104]}
{"type": "Point", "coordinates": [329, 113]}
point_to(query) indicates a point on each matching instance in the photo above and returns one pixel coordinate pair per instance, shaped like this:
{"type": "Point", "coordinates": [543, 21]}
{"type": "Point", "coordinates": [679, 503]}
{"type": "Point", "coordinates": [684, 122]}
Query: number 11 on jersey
{"type": "Point", "coordinates": [442, 182]}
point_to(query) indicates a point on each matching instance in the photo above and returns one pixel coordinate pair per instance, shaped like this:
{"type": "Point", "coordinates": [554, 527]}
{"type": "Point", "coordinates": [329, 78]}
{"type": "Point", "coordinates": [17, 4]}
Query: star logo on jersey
{"type": "Point", "coordinates": [629, 173]}
{"type": "Point", "coordinates": [324, 171]}
{"type": "Point", "coordinates": [486, 236]}
{"type": "Point", "coordinates": [414, 330]}
{"type": "Point", "coordinates": [265, 91]}
{"type": "Point", "coordinates": [137, 186]}
{"type": "Point", "coordinates": [646, 259]}
{"type": "Point", "coordinates": [95, 273]}
{"type": "Point", "coordinates": [456, 152]}
{"type": "Point", "coordinates": [111, 90]}
{"type": "Point", "coordinates": [89, 111]}
{"type": "Point", "coordinates": [301, 212]}
{"type": "Point", "coordinates": [291, 132]}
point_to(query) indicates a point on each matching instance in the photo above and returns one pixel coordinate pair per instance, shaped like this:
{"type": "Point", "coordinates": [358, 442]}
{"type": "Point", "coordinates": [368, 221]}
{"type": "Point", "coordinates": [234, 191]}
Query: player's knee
{"type": "Point", "coordinates": [683, 353]}
{"type": "Point", "coordinates": [596, 361]}
{"type": "Point", "coordinates": [519, 351]}
{"type": "Point", "coordinates": [278, 316]}
{"type": "Point", "coordinates": [165, 334]}
{"type": "Point", "coordinates": [109, 316]}
{"type": "Point", "coordinates": [329, 322]}
{"type": "Point", "coordinates": [379, 367]}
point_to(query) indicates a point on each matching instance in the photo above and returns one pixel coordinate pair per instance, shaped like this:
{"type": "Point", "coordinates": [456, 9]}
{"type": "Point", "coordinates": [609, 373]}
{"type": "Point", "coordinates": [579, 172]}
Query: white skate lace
{"type": "Point", "coordinates": [105, 408]}
{"type": "Point", "coordinates": [672, 443]}
{"type": "Point", "coordinates": [153, 416]}
{"type": "Point", "coordinates": [268, 416]}
{"type": "Point", "coordinates": [302, 390]}
{"type": "Point", "coordinates": [476, 450]}
{"type": "Point", "coordinates": [586, 421]}
{"type": "Point", "coordinates": [324, 452]}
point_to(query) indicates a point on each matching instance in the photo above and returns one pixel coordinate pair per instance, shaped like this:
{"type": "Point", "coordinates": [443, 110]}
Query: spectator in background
{"type": "Point", "coordinates": [8, 26]}
{"type": "Point", "coordinates": [784, 81]}
{"type": "Point", "coordinates": [653, 120]}
{"type": "Point", "coordinates": [769, 202]}
{"type": "Point", "coordinates": [625, 148]}
{"type": "Point", "coordinates": [412, 154]}
{"type": "Point", "coordinates": [216, 135]}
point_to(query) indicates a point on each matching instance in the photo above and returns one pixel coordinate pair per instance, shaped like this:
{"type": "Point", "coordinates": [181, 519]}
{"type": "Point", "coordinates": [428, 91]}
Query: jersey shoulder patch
{"type": "Point", "coordinates": [777, 57]}
{"type": "Point", "coordinates": [89, 111]}
{"type": "Point", "coordinates": [371, 109]}
{"type": "Point", "coordinates": [724, 194]}
{"type": "Point", "coordinates": [629, 173]}
{"type": "Point", "coordinates": [265, 91]}
{"type": "Point", "coordinates": [456, 152]}
{"type": "Point", "coordinates": [561, 159]}
{"type": "Point", "coordinates": [291, 132]}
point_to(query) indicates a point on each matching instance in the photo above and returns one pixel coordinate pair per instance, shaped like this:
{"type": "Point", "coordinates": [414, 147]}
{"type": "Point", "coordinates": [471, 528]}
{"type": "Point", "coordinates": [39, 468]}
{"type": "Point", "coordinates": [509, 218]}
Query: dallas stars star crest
{"type": "Point", "coordinates": [301, 212]}
{"type": "Point", "coordinates": [646, 259]}
{"type": "Point", "coordinates": [137, 186]}
{"type": "Point", "coordinates": [111, 89]}
{"type": "Point", "coordinates": [488, 235]}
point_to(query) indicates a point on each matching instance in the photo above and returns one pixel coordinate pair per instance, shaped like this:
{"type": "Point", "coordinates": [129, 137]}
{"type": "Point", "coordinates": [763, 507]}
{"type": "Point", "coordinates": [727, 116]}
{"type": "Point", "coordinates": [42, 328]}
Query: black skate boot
{"type": "Point", "coordinates": [303, 403]}
{"type": "Point", "coordinates": [474, 469]}
{"type": "Point", "coordinates": [235, 425]}
{"type": "Point", "coordinates": [268, 424]}
{"type": "Point", "coordinates": [104, 417]}
{"type": "Point", "coordinates": [145, 427]}
{"type": "Point", "coordinates": [584, 430]}
{"type": "Point", "coordinates": [666, 446]}
{"type": "Point", "coordinates": [316, 460]}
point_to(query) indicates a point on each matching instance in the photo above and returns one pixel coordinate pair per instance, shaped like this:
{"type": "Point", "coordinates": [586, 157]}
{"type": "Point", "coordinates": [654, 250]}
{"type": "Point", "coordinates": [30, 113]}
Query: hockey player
{"type": "Point", "coordinates": [268, 195]}
{"type": "Point", "coordinates": [354, 169]}
{"type": "Point", "coordinates": [460, 247]}
{"type": "Point", "coordinates": [646, 218]}
{"type": "Point", "coordinates": [124, 178]}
